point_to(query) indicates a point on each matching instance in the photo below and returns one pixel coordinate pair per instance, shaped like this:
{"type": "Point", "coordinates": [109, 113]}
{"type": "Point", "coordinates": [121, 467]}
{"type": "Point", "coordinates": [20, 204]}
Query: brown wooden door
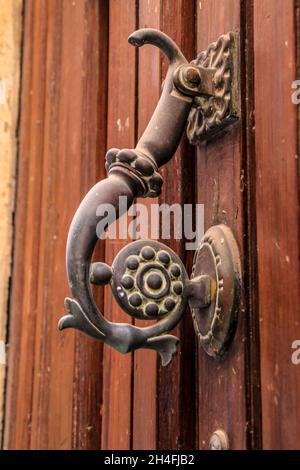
{"type": "Point", "coordinates": [83, 90]}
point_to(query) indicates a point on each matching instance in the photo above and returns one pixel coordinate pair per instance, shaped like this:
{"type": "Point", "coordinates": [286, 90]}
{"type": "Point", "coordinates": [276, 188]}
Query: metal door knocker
{"type": "Point", "coordinates": [148, 280]}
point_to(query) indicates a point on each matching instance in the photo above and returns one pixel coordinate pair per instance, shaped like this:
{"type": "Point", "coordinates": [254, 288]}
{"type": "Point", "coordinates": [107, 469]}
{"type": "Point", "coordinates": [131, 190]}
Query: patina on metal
{"type": "Point", "coordinates": [218, 68]}
{"type": "Point", "coordinates": [131, 173]}
{"type": "Point", "coordinates": [148, 279]}
{"type": "Point", "coordinates": [218, 258]}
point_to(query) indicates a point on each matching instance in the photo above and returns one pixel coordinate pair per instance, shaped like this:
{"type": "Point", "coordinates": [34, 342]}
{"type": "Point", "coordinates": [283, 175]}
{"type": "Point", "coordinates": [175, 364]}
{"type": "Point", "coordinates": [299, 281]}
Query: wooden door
{"type": "Point", "coordinates": [83, 90]}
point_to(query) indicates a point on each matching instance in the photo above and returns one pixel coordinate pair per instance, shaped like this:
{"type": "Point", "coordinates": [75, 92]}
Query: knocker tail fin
{"type": "Point", "coordinates": [76, 318]}
{"type": "Point", "coordinates": [165, 345]}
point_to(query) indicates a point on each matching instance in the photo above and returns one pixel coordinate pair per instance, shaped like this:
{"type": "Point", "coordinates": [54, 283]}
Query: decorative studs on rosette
{"type": "Point", "coordinates": [148, 280]}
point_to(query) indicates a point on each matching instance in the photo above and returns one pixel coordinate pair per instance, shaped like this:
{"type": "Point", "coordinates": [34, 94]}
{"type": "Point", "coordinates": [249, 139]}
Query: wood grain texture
{"type": "Point", "coordinates": [253, 379]}
{"type": "Point", "coordinates": [84, 89]}
{"type": "Point", "coordinates": [145, 361]}
{"type": "Point", "coordinates": [222, 388]}
{"type": "Point", "coordinates": [277, 219]}
{"type": "Point", "coordinates": [121, 132]}
{"type": "Point", "coordinates": [26, 254]}
{"type": "Point", "coordinates": [59, 161]}
{"type": "Point", "coordinates": [177, 382]}
{"type": "Point", "coordinates": [11, 27]}
{"type": "Point", "coordinates": [87, 386]}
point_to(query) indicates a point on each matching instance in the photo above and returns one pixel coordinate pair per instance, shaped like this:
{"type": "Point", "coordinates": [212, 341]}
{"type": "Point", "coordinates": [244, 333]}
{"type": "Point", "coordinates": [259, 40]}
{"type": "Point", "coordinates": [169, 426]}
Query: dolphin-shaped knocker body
{"type": "Point", "coordinates": [131, 173]}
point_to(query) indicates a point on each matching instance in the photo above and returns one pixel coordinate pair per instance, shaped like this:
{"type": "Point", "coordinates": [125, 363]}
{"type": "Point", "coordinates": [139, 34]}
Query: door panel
{"type": "Point", "coordinates": [145, 384]}
{"type": "Point", "coordinates": [84, 90]}
{"type": "Point", "coordinates": [61, 127]}
{"type": "Point", "coordinates": [177, 382]}
{"type": "Point", "coordinates": [121, 133]}
{"type": "Point", "coordinates": [276, 151]}
{"type": "Point", "coordinates": [220, 187]}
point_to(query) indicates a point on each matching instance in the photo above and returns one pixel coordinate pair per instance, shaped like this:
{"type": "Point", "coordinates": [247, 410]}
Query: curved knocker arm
{"type": "Point", "coordinates": [148, 279]}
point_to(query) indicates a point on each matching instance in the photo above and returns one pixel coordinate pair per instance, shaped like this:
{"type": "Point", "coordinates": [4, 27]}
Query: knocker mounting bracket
{"type": "Point", "coordinates": [212, 80]}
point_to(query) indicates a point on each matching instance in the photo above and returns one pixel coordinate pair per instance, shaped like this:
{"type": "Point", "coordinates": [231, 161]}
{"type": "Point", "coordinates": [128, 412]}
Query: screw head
{"type": "Point", "coordinates": [192, 75]}
{"type": "Point", "coordinates": [219, 440]}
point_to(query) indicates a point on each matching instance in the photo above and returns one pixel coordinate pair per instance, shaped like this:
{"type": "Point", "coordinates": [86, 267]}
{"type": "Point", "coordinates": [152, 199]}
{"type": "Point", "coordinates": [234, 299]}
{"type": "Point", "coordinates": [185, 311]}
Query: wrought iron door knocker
{"type": "Point", "coordinates": [148, 280]}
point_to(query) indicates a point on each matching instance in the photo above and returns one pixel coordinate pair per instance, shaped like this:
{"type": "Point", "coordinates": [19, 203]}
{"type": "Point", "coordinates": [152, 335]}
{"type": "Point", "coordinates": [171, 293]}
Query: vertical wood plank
{"type": "Point", "coordinates": [145, 361]}
{"type": "Point", "coordinates": [222, 387]}
{"type": "Point", "coordinates": [59, 161]}
{"type": "Point", "coordinates": [87, 387]}
{"type": "Point", "coordinates": [121, 130]}
{"type": "Point", "coordinates": [252, 353]}
{"type": "Point", "coordinates": [28, 217]}
{"type": "Point", "coordinates": [277, 220]}
{"type": "Point", "coordinates": [177, 382]}
{"type": "Point", "coordinates": [11, 29]}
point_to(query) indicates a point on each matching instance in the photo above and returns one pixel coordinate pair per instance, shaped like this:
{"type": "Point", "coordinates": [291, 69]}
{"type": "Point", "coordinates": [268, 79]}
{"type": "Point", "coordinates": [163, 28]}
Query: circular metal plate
{"type": "Point", "coordinates": [218, 257]}
{"type": "Point", "coordinates": [148, 280]}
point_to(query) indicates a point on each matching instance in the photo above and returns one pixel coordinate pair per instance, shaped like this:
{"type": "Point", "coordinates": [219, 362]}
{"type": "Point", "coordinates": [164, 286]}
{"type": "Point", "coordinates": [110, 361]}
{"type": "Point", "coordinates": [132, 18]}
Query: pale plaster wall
{"type": "Point", "coordinates": [10, 58]}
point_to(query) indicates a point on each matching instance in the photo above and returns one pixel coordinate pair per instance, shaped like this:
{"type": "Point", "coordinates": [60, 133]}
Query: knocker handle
{"type": "Point", "coordinates": [131, 173]}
